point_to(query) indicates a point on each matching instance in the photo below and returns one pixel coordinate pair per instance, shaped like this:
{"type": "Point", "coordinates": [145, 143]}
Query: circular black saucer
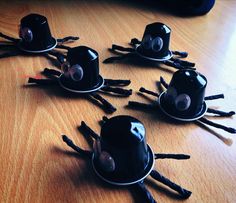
{"type": "Point", "coordinates": [200, 114]}
{"type": "Point", "coordinates": [37, 51]}
{"type": "Point", "coordinates": [117, 181]}
{"type": "Point", "coordinates": [164, 58]}
{"type": "Point", "coordinates": [62, 81]}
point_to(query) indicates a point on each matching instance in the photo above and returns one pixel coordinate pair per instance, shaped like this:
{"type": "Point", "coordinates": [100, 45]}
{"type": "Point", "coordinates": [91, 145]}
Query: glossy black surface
{"type": "Point", "coordinates": [123, 137]}
{"type": "Point", "coordinates": [191, 84]}
{"type": "Point", "coordinates": [38, 26]}
{"type": "Point", "coordinates": [183, 7]}
{"type": "Point", "coordinates": [87, 59]}
{"type": "Point", "coordinates": [156, 31]}
{"type": "Point", "coordinates": [119, 178]}
{"type": "Point", "coordinates": [126, 131]}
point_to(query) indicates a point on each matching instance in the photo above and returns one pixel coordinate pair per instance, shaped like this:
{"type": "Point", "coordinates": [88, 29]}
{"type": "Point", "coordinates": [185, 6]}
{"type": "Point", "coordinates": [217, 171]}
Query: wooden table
{"type": "Point", "coordinates": [36, 166]}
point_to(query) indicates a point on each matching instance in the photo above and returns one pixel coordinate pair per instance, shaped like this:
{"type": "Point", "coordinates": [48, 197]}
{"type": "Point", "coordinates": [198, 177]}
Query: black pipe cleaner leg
{"type": "Point", "coordinates": [67, 39]}
{"type": "Point", "coordinates": [217, 96]}
{"type": "Point", "coordinates": [163, 82]}
{"type": "Point", "coordinates": [117, 90]}
{"type": "Point", "coordinates": [9, 38]}
{"type": "Point", "coordinates": [112, 82]}
{"type": "Point", "coordinates": [159, 87]}
{"type": "Point", "coordinates": [139, 105]}
{"type": "Point", "coordinates": [183, 192]}
{"type": "Point", "coordinates": [143, 90]}
{"type": "Point", "coordinates": [221, 113]}
{"type": "Point", "coordinates": [105, 119]}
{"type": "Point", "coordinates": [120, 48]}
{"type": "Point", "coordinates": [172, 156]}
{"type": "Point", "coordinates": [143, 191]}
{"type": "Point", "coordinates": [70, 143]}
{"type": "Point", "coordinates": [108, 106]}
{"type": "Point", "coordinates": [176, 65]}
{"type": "Point", "coordinates": [135, 41]}
{"type": "Point", "coordinates": [187, 64]}
{"type": "Point", "coordinates": [42, 81]}
{"type": "Point", "coordinates": [63, 47]}
{"type": "Point", "coordinates": [88, 131]}
{"type": "Point", "coordinates": [60, 57]}
{"type": "Point", "coordinates": [48, 71]}
{"type": "Point", "coordinates": [182, 54]}
{"type": "Point", "coordinates": [50, 74]}
{"type": "Point", "coordinates": [116, 58]}
{"type": "Point", "coordinates": [9, 54]}
{"type": "Point", "coordinates": [172, 64]}
{"type": "Point", "coordinates": [225, 140]}
{"type": "Point", "coordinates": [216, 125]}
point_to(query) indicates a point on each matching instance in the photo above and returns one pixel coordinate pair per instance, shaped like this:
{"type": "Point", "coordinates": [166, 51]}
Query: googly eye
{"type": "Point", "coordinates": [76, 72]}
{"type": "Point", "coordinates": [171, 94]}
{"type": "Point", "coordinates": [65, 67]}
{"type": "Point", "coordinates": [26, 34]}
{"type": "Point", "coordinates": [157, 44]}
{"type": "Point", "coordinates": [182, 102]}
{"type": "Point", "coordinates": [106, 161]}
{"type": "Point", "coordinates": [147, 42]}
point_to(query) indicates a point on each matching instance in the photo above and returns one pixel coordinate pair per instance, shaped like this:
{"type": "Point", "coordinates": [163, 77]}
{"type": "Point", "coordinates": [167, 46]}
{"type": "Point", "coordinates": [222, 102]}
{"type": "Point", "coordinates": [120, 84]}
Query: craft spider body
{"type": "Point", "coordinates": [80, 76]}
{"type": "Point", "coordinates": [184, 99]}
{"type": "Point", "coordinates": [35, 39]}
{"type": "Point", "coordinates": [121, 156]}
{"type": "Point", "coordinates": [154, 47]}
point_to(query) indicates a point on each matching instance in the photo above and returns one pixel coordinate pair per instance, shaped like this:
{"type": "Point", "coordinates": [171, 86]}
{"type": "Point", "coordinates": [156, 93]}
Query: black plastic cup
{"type": "Point", "coordinates": [123, 138]}
{"type": "Point", "coordinates": [35, 33]}
{"type": "Point", "coordinates": [155, 41]}
{"type": "Point", "coordinates": [185, 94]}
{"type": "Point", "coordinates": [86, 59]}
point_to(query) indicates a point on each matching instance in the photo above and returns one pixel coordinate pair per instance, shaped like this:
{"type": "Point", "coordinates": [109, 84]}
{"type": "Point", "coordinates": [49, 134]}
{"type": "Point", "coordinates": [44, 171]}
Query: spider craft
{"type": "Point", "coordinates": [184, 99]}
{"type": "Point", "coordinates": [154, 47]}
{"type": "Point", "coordinates": [80, 75]}
{"type": "Point", "coordinates": [35, 39]}
{"type": "Point", "coordinates": [122, 157]}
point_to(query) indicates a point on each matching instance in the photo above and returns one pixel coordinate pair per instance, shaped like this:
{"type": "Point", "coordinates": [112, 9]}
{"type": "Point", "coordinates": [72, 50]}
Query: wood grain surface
{"type": "Point", "coordinates": [36, 166]}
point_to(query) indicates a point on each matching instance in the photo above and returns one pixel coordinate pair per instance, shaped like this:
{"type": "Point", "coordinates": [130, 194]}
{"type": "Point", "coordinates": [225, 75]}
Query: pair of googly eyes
{"type": "Point", "coordinates": [155, 44]}
{"type": "Point", "coordinates": [74, 72]}
{"type": "Point", "coordinates": [26, 34]}
{"type": "Point", "coordinates": [182, 102]}
{"type": "Point", "coordinates": [105, 160]}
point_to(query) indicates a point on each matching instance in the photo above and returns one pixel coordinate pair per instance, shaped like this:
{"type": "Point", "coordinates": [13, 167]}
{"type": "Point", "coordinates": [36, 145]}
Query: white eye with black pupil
{"type": "Point", "coordinates": [157, 44]}
{"type": "Point", "coordinates": [171, 94]}
{"type": "Point", "coordinates": [76, 72]}
{"type": "Point", "coordinates": [26, 34]}
{"type": "Point", "coordinates": [182, 102]}
{"type": "Point", "coordinates": [147, 42]}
